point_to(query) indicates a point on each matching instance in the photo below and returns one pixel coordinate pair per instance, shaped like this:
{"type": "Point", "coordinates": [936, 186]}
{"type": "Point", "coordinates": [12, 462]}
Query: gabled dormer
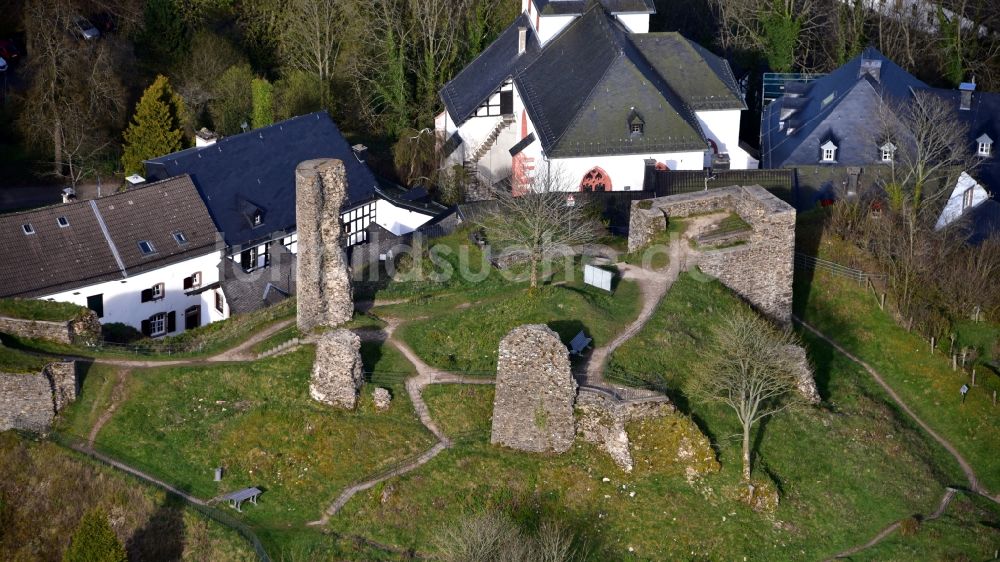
{"type": "Point", "coordinates": [887, 152]}
{"type": "Point", "coordinates": [984, 146]}
{"type": "Point", "coordinates": [253, 213]}
{"type": "Point", "coordinates": [828, 152]}
{"type": "Point", "coordinates": [636, 126]}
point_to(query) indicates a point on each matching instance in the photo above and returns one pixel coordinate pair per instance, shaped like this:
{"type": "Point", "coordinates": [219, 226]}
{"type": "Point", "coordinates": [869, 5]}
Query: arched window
{"type": "Point", "coordinates": [596, 180]}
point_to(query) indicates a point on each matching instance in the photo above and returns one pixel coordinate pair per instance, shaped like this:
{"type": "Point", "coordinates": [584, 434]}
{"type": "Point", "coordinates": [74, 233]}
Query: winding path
{"type": "Point", "coordinates": [970, 474]}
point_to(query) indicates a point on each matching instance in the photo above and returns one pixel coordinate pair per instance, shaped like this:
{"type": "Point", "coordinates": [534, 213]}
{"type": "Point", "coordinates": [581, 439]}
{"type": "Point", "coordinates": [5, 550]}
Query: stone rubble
{"type": "Point", "coordinates": [337, 374]}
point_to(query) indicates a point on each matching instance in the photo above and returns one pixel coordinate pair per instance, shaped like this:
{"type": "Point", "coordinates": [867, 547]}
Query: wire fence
{"type": "Point", "coordinates": [806, 261]}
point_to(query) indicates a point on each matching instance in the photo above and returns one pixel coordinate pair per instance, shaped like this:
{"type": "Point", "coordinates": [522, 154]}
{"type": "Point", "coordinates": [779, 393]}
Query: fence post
{"type": "Point", "coordinates": [973, 376]}
{"type": "Point", "coordinates": [954, 362]}
{"type": "Point", "coordinates": [932, 345]}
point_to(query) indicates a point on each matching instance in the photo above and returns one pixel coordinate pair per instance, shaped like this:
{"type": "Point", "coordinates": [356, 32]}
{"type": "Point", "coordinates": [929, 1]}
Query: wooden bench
{"type": "Point", "coordinates": [579, 343]}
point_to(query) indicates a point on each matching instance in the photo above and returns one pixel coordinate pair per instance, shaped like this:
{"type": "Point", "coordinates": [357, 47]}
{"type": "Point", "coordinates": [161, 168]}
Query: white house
{"type": "Point", "coordinates": [148, 257]}
{"type": "Point", "coordinates": [247, 181]}
{"type": "Point", "coordinates": [585, 88]}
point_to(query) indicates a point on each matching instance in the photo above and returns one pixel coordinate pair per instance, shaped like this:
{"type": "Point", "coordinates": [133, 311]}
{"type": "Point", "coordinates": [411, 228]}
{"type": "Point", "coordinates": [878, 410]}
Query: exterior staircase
{"type": "Point", "coordinates": [477, 187]}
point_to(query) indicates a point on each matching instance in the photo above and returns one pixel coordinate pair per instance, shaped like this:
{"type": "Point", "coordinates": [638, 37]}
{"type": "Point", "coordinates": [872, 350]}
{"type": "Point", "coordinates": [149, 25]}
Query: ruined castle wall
{"type": "Point", "coordinates": [761, 270]}
{"type": "Point", "coordinates": [85, 329]}
{"type": "Point", "coordinates": [322, 278]}
{"type": "Point", "coordinates": [535, 391]}
{"type": "Point", "coordinates": [30, 401]}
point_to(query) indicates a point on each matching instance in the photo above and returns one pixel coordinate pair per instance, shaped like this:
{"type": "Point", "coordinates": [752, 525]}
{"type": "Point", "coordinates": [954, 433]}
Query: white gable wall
{"type": "Point", "coordinates": [398, 220]}
{"type": "Point", "coordinates": [122, 298]}
{"type": "Point", "coordinates": [625, 170]}
{"type": "Point", "coordinates": [723, 127]}
{"type": "Point", "coordinates": [636, 23]}
{"type": "Point", "coordinates": [956, 204]}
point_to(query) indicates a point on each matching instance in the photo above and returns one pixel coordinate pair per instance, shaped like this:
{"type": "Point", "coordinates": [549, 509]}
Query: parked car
{"type": "Point", "coordinates": [9, 50]}
{"type": "Point", "coordinates": [85, 30]}
{"type": "Point", "coordinates": [3, 65]}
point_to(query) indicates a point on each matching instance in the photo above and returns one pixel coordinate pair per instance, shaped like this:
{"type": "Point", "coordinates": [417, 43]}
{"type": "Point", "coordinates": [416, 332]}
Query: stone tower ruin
{"type": "Point", "coordinates": [323, 280]}
{"type": "Point", "coordinates": [535, 391]}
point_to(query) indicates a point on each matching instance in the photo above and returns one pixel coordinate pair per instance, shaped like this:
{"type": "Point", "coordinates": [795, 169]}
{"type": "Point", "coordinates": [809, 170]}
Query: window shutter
{"type": "Point", "coordinates": [147, 295]}
{"type": "Point", "coordinates": [171, 321]}
{"type": "Point", "coordinates": [147, 330]}
{"type": "Point", "coordinates": [188, 282]}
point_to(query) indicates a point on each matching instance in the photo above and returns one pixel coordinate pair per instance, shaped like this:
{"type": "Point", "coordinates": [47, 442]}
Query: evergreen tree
{"type": "Point", "coordinates": [95, 541]}
{"type": "Point", "coordinates": [156, 127]}
{"type": "Point", "coordinates": [262, 95]}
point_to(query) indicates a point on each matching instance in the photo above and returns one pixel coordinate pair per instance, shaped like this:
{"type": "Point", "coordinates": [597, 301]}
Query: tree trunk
{"type": "Point", "coordinates": [534, 271]}
{"type": "Point", "coordinates": [746, 454]}
{"type": "Point", "coordinates": [57, 148]}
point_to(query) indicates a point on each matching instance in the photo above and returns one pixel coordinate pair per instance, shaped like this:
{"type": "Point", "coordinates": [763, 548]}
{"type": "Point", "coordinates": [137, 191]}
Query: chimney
{"type": "Point", "coordinates": [204, 137]}
{"type": "Point", "coordinates": [360, 152]}
{"type": "Point", "coordinates": [966, 89]}
{"type": "Point", "coordinates": [522, 40]}
{"type": "Point", "coordinates": [872, 67]}
{"type": "Point", "coordinates": [68, 195]}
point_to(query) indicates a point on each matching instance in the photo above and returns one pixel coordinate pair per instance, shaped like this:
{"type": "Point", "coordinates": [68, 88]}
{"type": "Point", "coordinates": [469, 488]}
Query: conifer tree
{"type": "Point", "coordinates": [95, 541]}
{"type": "Point", "coordinates": [156, 127]}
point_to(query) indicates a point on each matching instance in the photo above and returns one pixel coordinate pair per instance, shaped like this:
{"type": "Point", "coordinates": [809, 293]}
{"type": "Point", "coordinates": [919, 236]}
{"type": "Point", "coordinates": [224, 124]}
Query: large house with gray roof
{"type": "Point", "coordinates": [585, 88]}
{"type": "Point", "coordinates": [147, 257]}
{"type": "Point", "coordinates": [835, 128]}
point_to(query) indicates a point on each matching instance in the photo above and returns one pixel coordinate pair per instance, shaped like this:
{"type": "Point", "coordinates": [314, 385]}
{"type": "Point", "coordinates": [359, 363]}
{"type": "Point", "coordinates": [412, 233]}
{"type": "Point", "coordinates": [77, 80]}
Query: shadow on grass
{"type": "Point", "coordinates": [162, 538]}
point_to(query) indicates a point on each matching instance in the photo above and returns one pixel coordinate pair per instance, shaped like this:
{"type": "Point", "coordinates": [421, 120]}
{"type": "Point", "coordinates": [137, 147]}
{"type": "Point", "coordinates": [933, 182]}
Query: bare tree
{"type": "Point", "coordinates": [782, 30]}
{"type": "Point", "coordinates": [540, 223]}
{"type": "Point", "coordinates": [75, 97]}
{"type": "Point", "coordinates": [748, 369]}
{"type": "Point", "coordinates": [310, 36]}
{"type": "Point", "coordinates": [493, 536]}
{"type": "Point", "coordinates": [438, 26]}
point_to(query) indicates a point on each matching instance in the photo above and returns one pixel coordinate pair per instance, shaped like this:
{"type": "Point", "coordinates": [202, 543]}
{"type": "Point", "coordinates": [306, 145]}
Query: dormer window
{"type": "Point", "coordinates": [888, 151]}
{"type": "Point", "coordinates": [635, 123]}
{"type": "Point", "coordinates": [985, 147]}
{"type": "Point", "coordinates": [828, 152]}
{"type": "Point", "coordinates": [258, 217]}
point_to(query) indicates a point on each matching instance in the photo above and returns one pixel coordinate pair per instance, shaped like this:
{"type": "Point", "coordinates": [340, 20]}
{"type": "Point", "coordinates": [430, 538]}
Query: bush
{"type": "Point", "coordinates": [35, 309]}
{"type": "Point", "coordinates": [116, 332]}
{"type": "Point", "coordinates": [909, 527]}
{"type": "Point", "coordinates": [494, 536]}
{"type": "Point", "coordinates": [95, 541]}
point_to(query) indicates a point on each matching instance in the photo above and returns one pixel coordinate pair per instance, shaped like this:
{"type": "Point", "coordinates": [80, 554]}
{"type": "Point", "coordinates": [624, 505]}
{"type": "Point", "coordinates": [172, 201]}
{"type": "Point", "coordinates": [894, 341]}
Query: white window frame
{"type": "Point", "coordinates": [985, 148]}
{"type": "Point", "coordinates": [829, 154]}
{"type": "Point", "coordinates": [158, 324]}
{"type": "Point", "coordinates": [967, 198]}
{"type": "Point", "coordinates": [196, 280]}
{"type": "Point", "coordinates": [158, 291]}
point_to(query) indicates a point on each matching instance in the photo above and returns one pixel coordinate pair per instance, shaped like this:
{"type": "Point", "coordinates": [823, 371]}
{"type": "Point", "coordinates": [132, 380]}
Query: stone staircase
{"type": "Point", "coordinates": [487, 144]}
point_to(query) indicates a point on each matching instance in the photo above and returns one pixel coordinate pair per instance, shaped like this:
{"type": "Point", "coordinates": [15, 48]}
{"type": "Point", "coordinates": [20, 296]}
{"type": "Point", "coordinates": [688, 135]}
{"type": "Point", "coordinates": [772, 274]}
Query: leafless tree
{"type": "Point", "coordinates": [540, 223]}
{"type": "Point", "coordinates": [438, 28]}
{"type": "Point", "coordinates": [310, 37]}
{"type": "Point", "coordinates": [783, 30]}
{"type": "Point", "coordinates": [75, 97]}
{"type": "Point", "coordinates": [748, 369]}
{"type": "Point", "coordinates": [494, 537]}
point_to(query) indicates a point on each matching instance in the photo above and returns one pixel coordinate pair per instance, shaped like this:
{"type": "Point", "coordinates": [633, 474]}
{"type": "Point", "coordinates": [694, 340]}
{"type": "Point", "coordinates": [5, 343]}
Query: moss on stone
{"type": "Point", "coordinates": [671, 444]}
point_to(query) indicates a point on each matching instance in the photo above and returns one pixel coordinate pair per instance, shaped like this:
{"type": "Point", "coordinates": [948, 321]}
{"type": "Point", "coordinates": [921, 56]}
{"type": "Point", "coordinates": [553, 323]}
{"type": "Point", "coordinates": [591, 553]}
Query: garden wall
{"type": "Point", "coordinates": [86, 328]}
{"type": "Point", "coordinates": [30, 401]}
{"type": "Point", "coordinates": [760, 271]}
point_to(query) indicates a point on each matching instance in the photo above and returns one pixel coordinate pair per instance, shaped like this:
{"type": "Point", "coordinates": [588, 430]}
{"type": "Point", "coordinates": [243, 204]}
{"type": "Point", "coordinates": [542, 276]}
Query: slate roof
{"type": "Point", "coordinates": [101, 242]}
{"type": "Point", "coordinates": [247, 292]}
{"type": "Point", "coordinates": [982, 117]}
{"type": "Point", "coordinates": [257, 169]}
{"type": "Point", "coordinates": [983, 221]}
{"type": "Point", "coordinates": [841, 107]}
{"type": "Point", "coordinates": [569, 7]}
{"type": "Point", "coordinates": [579, 89]}
{"type": "Point", "coordinates": [498, 62]}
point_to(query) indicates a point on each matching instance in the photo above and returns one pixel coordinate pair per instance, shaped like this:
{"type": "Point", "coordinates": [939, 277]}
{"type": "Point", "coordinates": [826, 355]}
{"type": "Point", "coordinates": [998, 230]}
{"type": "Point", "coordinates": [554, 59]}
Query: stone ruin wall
{"type": "Point", "coordinates": [30, 402]}
{"type": "Point", "coordinates": [602, 420]}
{"type": "Point", "coordinates": [322, 278]}
{"type": "Point", "coordinates": [535, 392]}
{"type": "Point", "coordinates": [337, 375]}
{"type": "Point", "coordinates": [85, 329]}
{"type": "Point", "coordinates": [759, 271]}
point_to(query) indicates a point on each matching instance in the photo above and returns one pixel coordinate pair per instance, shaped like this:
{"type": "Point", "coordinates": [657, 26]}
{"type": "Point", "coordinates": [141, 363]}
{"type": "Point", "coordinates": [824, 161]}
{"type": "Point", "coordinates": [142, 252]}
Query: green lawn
{"type": "Point", "coordinates": [465, 338]}
{"type": "Point", "coordinates": [845, 312]}
{"type": "Point", "coordinates": [845, 470]}
{"type": "Point", "coordinates": [93, 399]}
{"type": "Point", "coordinates": [19, 362]}
{"type": "Point", "coordinates": [45, 490]}
{"type": "Point", "coordinates": [258, 421]}
{"type": "Point", "coordinates": [34, 309]}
